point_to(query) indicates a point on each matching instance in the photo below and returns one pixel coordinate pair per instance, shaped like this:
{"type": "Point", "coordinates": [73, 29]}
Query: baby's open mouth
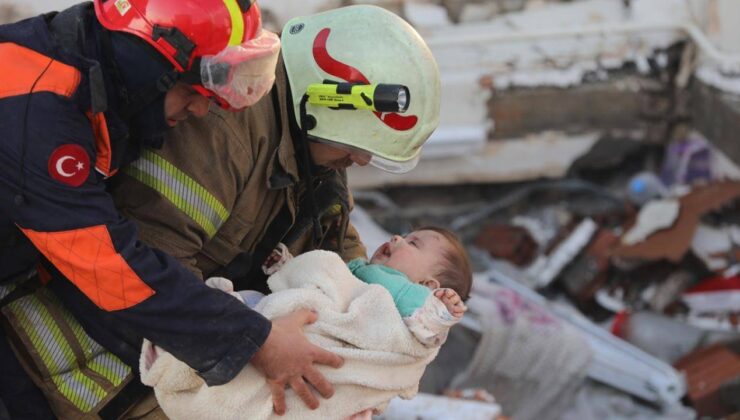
{"type": "Point", "coordinates": [384, 251]}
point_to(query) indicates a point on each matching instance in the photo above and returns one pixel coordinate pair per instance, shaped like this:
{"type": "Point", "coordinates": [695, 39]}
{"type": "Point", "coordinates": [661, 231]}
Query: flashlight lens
{"type": "Point", "coordinates": [403, 99]}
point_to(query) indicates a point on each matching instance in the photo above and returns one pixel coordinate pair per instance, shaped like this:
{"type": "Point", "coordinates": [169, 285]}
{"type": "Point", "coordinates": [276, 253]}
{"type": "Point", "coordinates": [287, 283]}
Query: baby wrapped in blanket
{"type": "Point", "coordinates": [387, 321]}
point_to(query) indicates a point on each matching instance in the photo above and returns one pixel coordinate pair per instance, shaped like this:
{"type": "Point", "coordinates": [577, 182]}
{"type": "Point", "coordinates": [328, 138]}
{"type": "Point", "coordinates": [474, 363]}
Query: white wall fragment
{"type": "Point", "coordinates": [654, 216]}
{"type": "Point", "coordinates": [500, 161]}
{"type": "Point", "coordinates": [425, 15]}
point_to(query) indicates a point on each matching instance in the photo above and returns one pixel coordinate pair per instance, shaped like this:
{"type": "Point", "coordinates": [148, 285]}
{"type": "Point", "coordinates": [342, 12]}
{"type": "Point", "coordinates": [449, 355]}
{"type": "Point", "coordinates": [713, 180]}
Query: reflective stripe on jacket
{"type": "Point", "coordinates": [78, 376]}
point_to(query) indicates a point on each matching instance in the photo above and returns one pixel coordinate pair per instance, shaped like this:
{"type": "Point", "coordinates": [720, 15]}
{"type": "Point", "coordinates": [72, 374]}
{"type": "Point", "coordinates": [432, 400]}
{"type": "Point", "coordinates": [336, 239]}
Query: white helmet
{"type": "Point", "coordinates": [363, 51]}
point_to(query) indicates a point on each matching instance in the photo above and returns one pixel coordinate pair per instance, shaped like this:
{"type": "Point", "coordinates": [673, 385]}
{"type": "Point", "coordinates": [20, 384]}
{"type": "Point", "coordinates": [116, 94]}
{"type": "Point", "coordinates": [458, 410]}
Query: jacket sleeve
{"type": "Point", "coordinates": [352, 247]}
{"type": "Point", "coordinates": [80, 232]}
{"type": "Point", "coordinates": [407, 296]}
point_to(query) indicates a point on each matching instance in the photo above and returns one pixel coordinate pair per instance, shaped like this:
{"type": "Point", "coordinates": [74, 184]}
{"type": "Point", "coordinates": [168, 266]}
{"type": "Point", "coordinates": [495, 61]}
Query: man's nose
{"type": "Point", "coordinates": [199, 106]}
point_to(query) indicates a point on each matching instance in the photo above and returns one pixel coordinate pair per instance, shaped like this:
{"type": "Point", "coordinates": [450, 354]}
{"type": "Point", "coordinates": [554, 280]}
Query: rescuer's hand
{"type": "Point", "coordinates": [287, 358]}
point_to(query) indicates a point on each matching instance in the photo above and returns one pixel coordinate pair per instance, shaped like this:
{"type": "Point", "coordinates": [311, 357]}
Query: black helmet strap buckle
{"type": "Point", "coordinates": [183, 46]}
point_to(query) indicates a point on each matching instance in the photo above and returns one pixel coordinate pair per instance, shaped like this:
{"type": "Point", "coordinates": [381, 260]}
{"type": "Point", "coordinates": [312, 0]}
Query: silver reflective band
{"type": "Point", "coordinates": [180, 189]}
{"type": "Point", "coordinates": [81, 371]}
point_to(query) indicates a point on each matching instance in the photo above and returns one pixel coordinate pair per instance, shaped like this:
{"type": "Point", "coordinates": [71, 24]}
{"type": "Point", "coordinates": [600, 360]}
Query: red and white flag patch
{"type": "Point", "coordinates": [69, 164]}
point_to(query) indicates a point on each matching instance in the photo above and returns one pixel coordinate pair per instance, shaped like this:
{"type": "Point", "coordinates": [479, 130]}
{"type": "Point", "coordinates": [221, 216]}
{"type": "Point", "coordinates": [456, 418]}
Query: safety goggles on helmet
{"type": "Point", "coordinates": [241, 56]}
{"type": "Point", "coordinates": [240, 75]}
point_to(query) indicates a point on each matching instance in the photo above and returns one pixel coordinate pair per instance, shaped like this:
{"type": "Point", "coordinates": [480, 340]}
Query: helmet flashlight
{"type": "Point", "coordinates": [378, 97]}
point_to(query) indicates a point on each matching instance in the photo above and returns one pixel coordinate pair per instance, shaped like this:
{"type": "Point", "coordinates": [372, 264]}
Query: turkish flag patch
{"type": "Point", "coordinates": [69, 164]}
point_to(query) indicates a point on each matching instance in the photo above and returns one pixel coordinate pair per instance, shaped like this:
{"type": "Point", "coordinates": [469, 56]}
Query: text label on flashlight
{"type": "Point", "coordinates": [375, 97]}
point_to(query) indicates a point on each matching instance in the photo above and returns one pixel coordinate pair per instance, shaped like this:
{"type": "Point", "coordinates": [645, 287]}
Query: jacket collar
{"type": "Point", "coordinates": [282, 171]}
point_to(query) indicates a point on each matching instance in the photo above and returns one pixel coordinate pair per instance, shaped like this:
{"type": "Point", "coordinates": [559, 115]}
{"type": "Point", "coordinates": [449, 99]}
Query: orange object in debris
{"type": "Point", "coordinates": [673, 243]}
{"type": "Point", "coordinates": [512, 243]}
{"type": "Point", "coordinates": [707, 371]}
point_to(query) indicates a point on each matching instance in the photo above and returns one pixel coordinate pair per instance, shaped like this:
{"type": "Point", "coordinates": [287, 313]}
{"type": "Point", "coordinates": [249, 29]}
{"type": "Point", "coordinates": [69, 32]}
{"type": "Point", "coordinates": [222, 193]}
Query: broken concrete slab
{"type": "Point", "coordinates": [714, 246]}
{"type": "Point", "coordinates": [512, 243]}
{"type": "Point", "coordinates": [546, 268]}
{"type": "Point", "coordinates": [654, 216]}
{"type": "Point", "coordinates": [716, 114]}
{"type": "Point", "coordinates": [423, 15]}
{"type": "Point", "coordinates": [612, 105]}
{"type": "Point", "coordinates": [589, 271]}
{"type": "Point", "coordinates": [609, 153]}
{"type": "Point", "coordinates": [500, 161]}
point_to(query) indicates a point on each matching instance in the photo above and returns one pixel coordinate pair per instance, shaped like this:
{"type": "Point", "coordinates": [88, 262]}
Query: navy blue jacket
{"type": "Point", "coordinates": [59, 144]}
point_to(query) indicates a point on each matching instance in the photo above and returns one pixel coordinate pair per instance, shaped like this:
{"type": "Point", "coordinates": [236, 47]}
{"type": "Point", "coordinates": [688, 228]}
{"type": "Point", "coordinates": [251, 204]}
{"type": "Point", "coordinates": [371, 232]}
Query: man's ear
{"type": "Point", "coordinates": [431, 283]}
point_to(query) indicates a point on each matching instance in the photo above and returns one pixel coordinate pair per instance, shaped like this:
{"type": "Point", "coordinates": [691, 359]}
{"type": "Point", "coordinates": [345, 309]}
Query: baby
{"type": "Point", "coordinates": [387, 331]}
{"type": "Point", "coordinates": [427, 272]}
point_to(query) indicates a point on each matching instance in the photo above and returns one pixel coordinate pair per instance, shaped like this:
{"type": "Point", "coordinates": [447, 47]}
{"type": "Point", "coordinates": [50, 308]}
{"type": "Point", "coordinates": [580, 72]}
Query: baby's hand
{"type": "Point", "coordinates": [276, 260]}
{"type": "Point", "coordinates": [273, 258]}
{"type": "Point", "coordinates": [452, 301]}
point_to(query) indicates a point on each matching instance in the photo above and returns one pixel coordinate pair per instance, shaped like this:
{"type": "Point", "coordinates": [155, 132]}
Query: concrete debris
{"type": "Point", "coordinates": [507, 242]}
{"type": "Point", "coordinates": [475, 394]}
{"type": "Point", "coordinates": [537, 234]}
{"type": "Point", "coordinates": [426, 15]}
{"type": "Point", "coordinates": [654, 216]}
{"type": "Point", "coordinates": [713, 376]}
{"type": "Point", "coordinates": [606, 154]}
{"type": "Point", "coordinates": [589, 271]}
{"type": "Point", "coordinates": [598, 401]}
{"type": "Point", "coordinates": [664, 337]}
{"type": "Point", "coordinates": [663, 314]}
{"type": "Point", "coordinates": [715, 246]}
{"type": "Point", "coordinates": [546, 268]}
{"type": "Point", "coordinates": [713, 76]}
{"type": "Point", "coordinates": [715, 295]}
{"type": "Point", "coordinates": [662, 294]}
{"type": "Point", "coordinates": [511, 160]}
{"type": "Point", "coordinates": [520, 344]}
{"type": "Point", "coordinates": [615, 362]}
{"type": "Point", "coordinates": [672, 244]}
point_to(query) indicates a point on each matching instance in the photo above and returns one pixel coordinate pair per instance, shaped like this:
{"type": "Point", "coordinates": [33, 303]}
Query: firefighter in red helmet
{"type": "Point", "coordinates": [84, 90]}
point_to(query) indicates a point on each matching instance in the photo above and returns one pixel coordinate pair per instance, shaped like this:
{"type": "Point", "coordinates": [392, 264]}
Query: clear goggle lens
{"type": "Point", "coordinates": [241, 75]}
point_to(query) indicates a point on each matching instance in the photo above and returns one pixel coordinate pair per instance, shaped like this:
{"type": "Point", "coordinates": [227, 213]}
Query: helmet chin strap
{"type": "Point", "coordinates": [308, 122]}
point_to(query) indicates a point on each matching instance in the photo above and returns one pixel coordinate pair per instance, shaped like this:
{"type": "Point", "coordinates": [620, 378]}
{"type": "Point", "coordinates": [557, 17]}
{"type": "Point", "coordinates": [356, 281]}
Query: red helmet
{"type": "Point", "coordinates": [226, 32]}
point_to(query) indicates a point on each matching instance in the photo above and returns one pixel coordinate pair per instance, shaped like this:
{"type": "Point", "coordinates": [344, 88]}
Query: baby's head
{"type": "Point", "coordinates": [430, 256]}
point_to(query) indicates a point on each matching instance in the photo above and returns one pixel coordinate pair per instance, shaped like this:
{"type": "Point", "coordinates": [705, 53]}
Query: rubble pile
{"type": "Point", "coordinates": [642, 259]}
{"type": "Point", "coordinates": [663, 271]}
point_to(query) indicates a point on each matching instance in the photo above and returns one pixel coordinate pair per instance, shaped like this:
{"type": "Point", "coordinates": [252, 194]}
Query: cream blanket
{"type": "Point", "coordinates": [357, 321]}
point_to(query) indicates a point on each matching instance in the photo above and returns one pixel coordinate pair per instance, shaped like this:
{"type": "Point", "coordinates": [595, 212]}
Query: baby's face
{"type": "Point", "coordinates": [416, 255]}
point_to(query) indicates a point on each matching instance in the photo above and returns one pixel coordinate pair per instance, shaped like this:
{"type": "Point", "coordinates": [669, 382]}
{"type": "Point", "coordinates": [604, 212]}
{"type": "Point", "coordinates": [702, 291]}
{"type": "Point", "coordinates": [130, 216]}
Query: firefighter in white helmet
{"type": "Point", "coordinates": [353, 85]}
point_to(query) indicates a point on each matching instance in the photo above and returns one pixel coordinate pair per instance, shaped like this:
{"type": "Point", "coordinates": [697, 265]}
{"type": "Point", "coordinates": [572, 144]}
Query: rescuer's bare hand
{"type": "Point", "coordinates": [288, 358]}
